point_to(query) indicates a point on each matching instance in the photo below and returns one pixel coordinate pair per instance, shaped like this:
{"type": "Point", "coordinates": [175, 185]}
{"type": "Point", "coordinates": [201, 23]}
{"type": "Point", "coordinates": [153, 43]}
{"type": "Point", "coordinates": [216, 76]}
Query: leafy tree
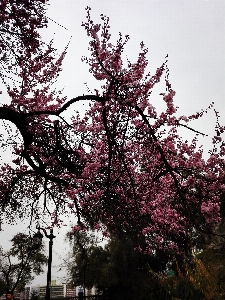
{"type": "Point", "coordinates": [203, 277]}
{"type": "Point", "coordinates": [34, 296]}
{"type": "Point", "coordinates": [123, 168]}
{"type": "Point", "coordinates": [117, 270]}
{"type": "Point", "coordinates": [3, 286]}
{"type": "Point", "coordinates": [209, 272]}
{"type": "Point", "coordinates": [82, 246]}
{"type": "Point", "coordinates": [18, 265]}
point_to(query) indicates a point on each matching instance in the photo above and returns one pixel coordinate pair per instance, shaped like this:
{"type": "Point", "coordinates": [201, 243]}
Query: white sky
{"type": "Point", "coordinates": [191, 32]}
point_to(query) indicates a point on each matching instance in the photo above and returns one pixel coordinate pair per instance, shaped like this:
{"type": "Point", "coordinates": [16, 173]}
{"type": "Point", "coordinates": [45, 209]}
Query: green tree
{"type": "Point", "coordinates": [117, 269]}
{"type": "Point", "coordinates": [34, 295]}
{"type": "Point", "coordinates": [21, 262]}
{"type": "Point", "coordinates": [82, 243]}
{"type": "Point", "coordinates": [2, 287]}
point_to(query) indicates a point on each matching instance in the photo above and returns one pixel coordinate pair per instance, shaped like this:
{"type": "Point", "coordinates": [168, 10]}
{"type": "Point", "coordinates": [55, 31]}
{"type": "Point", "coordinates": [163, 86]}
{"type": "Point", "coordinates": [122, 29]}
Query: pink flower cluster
{"type": "Point", "coordinates": [123, 167]}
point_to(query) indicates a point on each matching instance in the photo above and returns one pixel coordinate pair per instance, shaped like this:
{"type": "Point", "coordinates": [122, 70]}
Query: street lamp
{"type": "Point", "coordinates": [84, 273]}
{"type": "Point", "coordinates": [37, 240]}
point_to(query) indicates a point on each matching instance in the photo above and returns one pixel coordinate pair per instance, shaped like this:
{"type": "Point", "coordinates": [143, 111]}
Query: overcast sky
{"type": "Point", "coordinates": [192, 34]}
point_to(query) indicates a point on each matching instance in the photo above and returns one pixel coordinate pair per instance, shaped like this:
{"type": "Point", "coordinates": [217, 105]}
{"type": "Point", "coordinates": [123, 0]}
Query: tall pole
{"type": "Point", "coordinates": [84, 266]}
{"type": "Point", "coordinates": [37, 239]}
{"type": "Point", "coordinates": [50, 237]}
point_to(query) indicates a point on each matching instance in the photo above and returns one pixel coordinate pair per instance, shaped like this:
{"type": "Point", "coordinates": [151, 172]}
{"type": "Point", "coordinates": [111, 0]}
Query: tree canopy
{"type": "Point", "coordinates": [122, 168]}
{"type": "Point", "coordinates": [20, 263]}
{"type": "Point", "coordinates": [115, 268]}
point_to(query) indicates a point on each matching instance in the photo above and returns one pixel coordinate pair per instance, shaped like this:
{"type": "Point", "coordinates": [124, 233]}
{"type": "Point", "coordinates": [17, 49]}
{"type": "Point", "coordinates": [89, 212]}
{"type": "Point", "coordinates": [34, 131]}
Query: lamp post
{"type": "Point", "coordinates": [84, 270]}
{"type": "Point", "coordinates": [37, 240]}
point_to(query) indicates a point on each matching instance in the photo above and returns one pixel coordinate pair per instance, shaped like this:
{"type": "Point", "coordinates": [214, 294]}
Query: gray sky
{"type": "Point", "coordinates": [192, 34]}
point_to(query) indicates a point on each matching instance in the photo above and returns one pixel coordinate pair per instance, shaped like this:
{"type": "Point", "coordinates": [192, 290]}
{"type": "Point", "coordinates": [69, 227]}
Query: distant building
{"type": "Point", "coordinates": [16, 295]}
{"type": "Point", "coordinates": [56, 291]}
{"type": "Point", "coordinates": [24, 295]}
{"type": "Point", "coordinates": [88, 292]}
{"type": "Point", "coordinates": [70, 291]}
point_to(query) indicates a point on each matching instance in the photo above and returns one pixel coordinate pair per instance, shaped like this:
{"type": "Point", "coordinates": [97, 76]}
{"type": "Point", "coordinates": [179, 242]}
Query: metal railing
{"type": "Point", "coordinates": [81, 297]}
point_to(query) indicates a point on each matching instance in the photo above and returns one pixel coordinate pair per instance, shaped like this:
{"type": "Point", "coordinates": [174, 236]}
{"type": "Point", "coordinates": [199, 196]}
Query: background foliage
{"type": "Point", "coordinates": [20, 263]}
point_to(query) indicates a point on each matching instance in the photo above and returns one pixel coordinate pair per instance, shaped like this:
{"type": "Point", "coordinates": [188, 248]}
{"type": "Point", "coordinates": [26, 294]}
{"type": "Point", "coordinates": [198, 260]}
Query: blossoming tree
{"type": "Point", "coordinates": [122, 167]}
